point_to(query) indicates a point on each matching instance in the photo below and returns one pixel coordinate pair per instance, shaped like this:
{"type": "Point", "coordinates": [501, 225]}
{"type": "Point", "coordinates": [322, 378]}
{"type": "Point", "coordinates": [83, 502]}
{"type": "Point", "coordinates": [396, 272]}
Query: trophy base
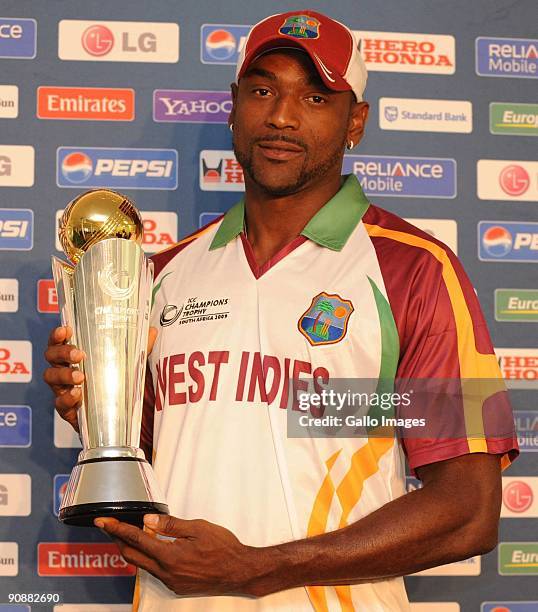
{"type": "Point", "coordinates": [133, 512]}
{"type": "Point", "coordinates": [119, 487]}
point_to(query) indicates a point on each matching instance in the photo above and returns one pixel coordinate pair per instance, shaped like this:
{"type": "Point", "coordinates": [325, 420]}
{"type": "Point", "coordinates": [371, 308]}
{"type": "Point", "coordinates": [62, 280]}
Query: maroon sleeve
{"type": "Point", "coordinates": [146, 431]}
{"type": "Point", "coordinates": [445, 347]}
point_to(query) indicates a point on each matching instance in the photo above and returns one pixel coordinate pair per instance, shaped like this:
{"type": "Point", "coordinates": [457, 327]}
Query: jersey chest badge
{"type": "Point", "coordinates": [325, 321]}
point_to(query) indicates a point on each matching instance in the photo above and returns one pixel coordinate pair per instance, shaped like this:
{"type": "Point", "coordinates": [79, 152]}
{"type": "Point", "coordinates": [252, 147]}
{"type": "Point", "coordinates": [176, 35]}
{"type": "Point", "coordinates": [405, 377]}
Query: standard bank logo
{"type": "Point", "coordinates": [118, 41]}
{"type": "Point", "coordinates": [507, 241]}
{"type": "Point", "coordinates": [15, 426]}
{"type": "Point", "coordinates": [419, 177]}
{"type": "Point", "coordinates": [116, 168]}
{"type": "Point", "coordinates": [18, 38]}
{"type": "Point", "coordinates": [423, 115]}
{"type": "Point", "coordinates": [221, 43]}
{"type": "Point", "coordinates": [16, 229]}
{"type": "Point", "coordinates": [508, 57]}
{"type": "Point", "coordinates": [191, 106]}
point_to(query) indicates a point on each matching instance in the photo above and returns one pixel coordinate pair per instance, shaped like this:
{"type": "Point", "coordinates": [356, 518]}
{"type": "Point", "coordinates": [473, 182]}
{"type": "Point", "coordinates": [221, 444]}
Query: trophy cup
{"type": "Point", "coordinates": [105, 297]}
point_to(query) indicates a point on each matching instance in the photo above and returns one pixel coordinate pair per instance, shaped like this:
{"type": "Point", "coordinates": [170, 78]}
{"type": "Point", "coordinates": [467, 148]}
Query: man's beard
{"type": "Point", "coordinates": [289, 185]}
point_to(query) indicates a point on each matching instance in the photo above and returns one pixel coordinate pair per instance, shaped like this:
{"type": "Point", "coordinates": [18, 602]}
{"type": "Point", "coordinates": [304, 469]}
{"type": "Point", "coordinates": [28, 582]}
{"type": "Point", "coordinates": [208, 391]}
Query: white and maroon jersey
{"type": "Point", "coordinates": [360, 294]}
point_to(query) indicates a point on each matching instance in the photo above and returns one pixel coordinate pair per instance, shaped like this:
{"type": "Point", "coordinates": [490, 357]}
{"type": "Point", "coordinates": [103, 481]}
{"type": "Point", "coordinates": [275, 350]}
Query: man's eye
{"type": "Point", "coordinates": [317, 99]}
{"type": "Point", "coordinates": [261, 91]}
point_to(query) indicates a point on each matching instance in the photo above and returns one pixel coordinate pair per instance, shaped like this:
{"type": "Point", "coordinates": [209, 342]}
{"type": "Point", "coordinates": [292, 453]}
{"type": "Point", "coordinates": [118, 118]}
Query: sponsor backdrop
{"type": "Point", "coordinates": [98, 94]}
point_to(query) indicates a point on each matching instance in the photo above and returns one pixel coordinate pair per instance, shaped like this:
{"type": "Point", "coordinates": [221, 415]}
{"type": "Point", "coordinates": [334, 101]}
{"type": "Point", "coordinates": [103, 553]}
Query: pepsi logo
{"type": "Point", "coordinates": [514, 180]}
{"type": "Point", "coordinates": [517, 496]}
{"type": "Point", "coordinates": [97, 40]}
{"type": "Point", "coordinates": [497, 241]}
{"type": "Point", "coordinates": [220, 44]}
{"type": "Point", "coordinates": [77, 167]}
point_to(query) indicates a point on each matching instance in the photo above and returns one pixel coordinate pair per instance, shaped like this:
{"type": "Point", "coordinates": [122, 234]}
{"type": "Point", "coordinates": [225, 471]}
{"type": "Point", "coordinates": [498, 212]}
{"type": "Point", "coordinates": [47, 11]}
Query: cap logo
{"type": "Point", "coordinates": [300, 26]}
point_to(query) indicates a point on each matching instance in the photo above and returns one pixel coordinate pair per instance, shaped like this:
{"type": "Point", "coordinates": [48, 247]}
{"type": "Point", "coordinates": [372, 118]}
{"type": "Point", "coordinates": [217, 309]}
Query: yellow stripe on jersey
{"type": "Point", "coordinates": [136, 594]}
{"type": "Point", "coordinates": [473, 365]}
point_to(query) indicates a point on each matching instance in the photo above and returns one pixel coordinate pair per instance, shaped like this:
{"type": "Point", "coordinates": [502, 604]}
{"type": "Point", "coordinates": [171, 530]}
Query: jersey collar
{"type": "Point", "coordinates": [330, 227]}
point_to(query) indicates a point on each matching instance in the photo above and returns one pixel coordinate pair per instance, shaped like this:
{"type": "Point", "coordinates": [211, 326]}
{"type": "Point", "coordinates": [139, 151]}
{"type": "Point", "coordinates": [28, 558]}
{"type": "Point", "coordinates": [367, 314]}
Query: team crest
{"type": "Point", "coordinates": [325, 321]}
{"type": "Point", "coordinates": [300, 26]}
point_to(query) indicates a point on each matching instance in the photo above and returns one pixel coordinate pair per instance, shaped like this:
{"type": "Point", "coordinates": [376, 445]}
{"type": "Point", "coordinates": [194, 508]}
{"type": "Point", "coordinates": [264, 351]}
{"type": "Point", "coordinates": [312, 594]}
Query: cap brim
{"type": "Point", "coordinates": [331, 78]}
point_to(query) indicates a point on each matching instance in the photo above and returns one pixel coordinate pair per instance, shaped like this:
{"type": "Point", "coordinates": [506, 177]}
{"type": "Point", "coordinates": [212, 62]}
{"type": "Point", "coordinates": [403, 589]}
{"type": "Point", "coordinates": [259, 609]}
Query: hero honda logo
{"type": "Point", "coordinates": [15, 361]}
{"type": "Point", "coordinates": [220, 171]}
{"type": "Point", "coordinates": [111, 167]}
{"type": "Point", "coordinates": [508, 57]}
{"type": "Point", "coordinates": [507, 241]}
{"type": "Point", "coordinates": [113, 41]}
{"type": "Point", "coordinates": [384, 175]}
{"type": "Point", "coordinates": [221, 43]}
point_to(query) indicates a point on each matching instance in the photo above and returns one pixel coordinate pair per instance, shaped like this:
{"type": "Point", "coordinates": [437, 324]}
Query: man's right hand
{"type": "Point", "coordinates": [63, 376]}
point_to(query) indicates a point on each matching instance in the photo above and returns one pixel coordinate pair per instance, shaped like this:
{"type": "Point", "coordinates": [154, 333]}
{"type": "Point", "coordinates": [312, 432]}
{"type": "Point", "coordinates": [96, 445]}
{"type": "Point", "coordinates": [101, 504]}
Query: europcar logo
{"type": "Point", "coordinates": [16, 229]}
{"type": "Point", "coordinates": [408, 52]}
{"type": "Point", "coordinates": [518, 558]}
{"type": "Point", "coordinates": [508, 57]}
{"type": "Point", "coordinates": [116, 168]}
{"type": "Point", "coordinates": [420, 177]}
{"type": "Point", "coordinates": [516, 119]}
{"type": "Point", "coordinates": [527, 430]}
{"type": "Point", "coordinates": [507, 241]}
{"type": "Point", "coordinates": [18, 38]}
{"type": "Point", "coordinates": [520, 305]}
{"type": "Point", "coordinates": [221, 43]}
{"type": "Point", "coordinates": [220, 171]}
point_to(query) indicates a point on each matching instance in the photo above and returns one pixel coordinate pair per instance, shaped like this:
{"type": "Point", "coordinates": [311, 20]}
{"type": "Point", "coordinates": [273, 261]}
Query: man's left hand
{"type": "Point", "coordinates": [203, 559]}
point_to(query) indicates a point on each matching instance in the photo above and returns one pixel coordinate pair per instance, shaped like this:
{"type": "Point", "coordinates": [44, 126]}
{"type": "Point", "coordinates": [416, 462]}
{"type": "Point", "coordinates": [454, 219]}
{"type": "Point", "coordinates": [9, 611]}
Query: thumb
{"type": "Point", "coordinates": [164, 524]}
{"type": "Point", "coordinates": [152, 336]}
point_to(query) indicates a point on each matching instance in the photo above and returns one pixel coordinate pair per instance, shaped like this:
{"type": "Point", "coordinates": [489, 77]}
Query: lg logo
{"type": "Point", "coordinates": [98, 40]}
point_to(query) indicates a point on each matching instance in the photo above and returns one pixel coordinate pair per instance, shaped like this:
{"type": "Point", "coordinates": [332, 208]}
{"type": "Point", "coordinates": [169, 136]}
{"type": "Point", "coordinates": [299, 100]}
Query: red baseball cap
{"type": "Point", "coordinates": [331, 46]}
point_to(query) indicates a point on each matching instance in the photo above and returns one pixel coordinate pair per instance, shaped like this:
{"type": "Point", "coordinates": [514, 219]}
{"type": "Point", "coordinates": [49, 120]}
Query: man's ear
{"type": "Point", "coordinates": [234, 89]}
{"type": "Point", "coordinates": [357, 121]}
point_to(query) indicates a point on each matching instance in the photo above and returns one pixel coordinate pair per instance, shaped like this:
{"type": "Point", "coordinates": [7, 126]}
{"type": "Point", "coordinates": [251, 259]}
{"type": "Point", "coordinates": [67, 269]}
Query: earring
{"type": "Point", "coordinates": [350, 145]}
{"type": "Point", "coordinates": [231, 126]}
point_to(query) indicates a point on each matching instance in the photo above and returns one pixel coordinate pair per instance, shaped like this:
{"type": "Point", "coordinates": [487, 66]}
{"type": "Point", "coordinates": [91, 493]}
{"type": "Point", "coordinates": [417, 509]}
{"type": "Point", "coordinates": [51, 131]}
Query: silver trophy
{"type": "Point", "coordinates": [105, 297]}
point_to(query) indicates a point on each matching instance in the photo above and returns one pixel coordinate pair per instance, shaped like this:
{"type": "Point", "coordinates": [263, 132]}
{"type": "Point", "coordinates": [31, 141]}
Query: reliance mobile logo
{"type": "Point", "coordinates": [81, 559]}
{"type": "Point", "coordinates": [118, 41]}
{"type": "Point", "coordinates": [408, 52]}
{"type": "Point", "coordinates": [507, 241]}
{"type": "Point", "coordinates": [221, 43]}
{"type": "Point", "coordinates": [508, 57]}
{"type": "Point", "coordinates": [518, 558]}
{"type": "Point", "coordinates": [18, 38]}
{"type": "Point", "coordinates": [419, 177]}
{"type": "Point", "coordinates": [220, 171]}
{"type": "Point", "coordinates": [116, 168]}
{"type": "Point", "coordinates": [513, 118]}
{"type": "Point", "coordinates": [527, 430]}
{"type": "Point", "coordinates": [15, 426]}
{"type": "Point", "coordinates": [191, 106]}
{"type": "Point", "coordinates": [16, 229]}
{"type": "Point", "coordinates": [519, 497]}
{"type": "Point", "coordinates": [520, 305]}
{"type": "Point", "coordinates": [86, 103]}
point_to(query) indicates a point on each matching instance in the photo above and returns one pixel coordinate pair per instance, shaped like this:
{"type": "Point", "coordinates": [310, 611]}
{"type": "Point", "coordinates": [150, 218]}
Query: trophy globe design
{"type": "Point", "coordinates": [104, 295]}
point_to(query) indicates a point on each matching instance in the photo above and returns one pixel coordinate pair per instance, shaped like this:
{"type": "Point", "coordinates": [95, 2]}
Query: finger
{"type": "Point", "coordinates": [59, 335]}
{"type": "Point", "coordinates": [64, 354]}
{"type": "Point", "coordinates": [165, 524]}
{"type": "Point", "coordinates": [152, 336]}
{"type": "Point", "coordinates": [57, 376]}
{"type": "Point", "coordinates": [132, 536]}
{"type": "Point", "coordinates": [135, 557]}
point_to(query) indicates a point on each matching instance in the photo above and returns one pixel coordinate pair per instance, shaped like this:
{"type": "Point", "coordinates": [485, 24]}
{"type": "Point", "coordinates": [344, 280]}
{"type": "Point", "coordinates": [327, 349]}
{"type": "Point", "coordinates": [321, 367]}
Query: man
{"type": "Point", "coordinates": [303, 278]}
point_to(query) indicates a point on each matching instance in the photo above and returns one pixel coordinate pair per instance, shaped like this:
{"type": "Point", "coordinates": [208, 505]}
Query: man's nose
{"type": "Point", "coordinates": [284, 113]}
